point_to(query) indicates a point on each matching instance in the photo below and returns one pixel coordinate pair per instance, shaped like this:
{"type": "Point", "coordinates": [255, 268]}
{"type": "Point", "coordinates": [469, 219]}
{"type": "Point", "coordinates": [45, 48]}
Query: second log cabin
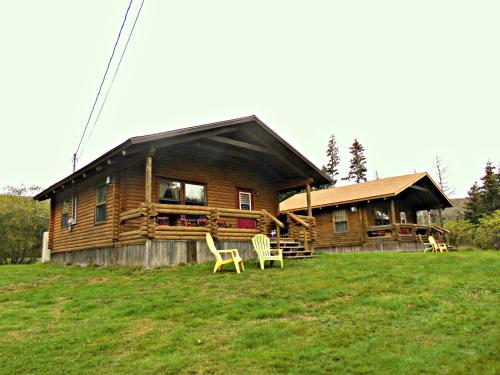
{"type": "Point", "coordinates": [375, 215]}
{"type": "Point", "coordinates": [151, 200]}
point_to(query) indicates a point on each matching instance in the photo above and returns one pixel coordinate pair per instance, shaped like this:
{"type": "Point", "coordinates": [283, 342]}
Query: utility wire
{"type": "Point", "coordinates": [100, 86]}
{"type": "Point", "coordinates": [112, 80]}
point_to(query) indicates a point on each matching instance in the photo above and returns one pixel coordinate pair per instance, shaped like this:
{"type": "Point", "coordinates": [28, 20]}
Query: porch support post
{"type": "Point", "coordinates": [149, 176]}
{"type": "Point", "coordinates": [278, 237]}
{"type": "Point", "coordinates": [362, 219]}
{"type": "Point", "coordinates": [440, 216]}
{"type": "Point", "coordinates": [393, 213]}
{"type": "Point", "coordinates": [395, 228]}
{"type": "Point", "coordinates": [308, 197]}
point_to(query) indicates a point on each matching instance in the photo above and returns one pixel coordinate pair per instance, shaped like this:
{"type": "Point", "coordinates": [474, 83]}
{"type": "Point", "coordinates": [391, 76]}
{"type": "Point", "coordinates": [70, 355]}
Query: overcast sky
{"type": "Point", "coordinates": [409, 79]}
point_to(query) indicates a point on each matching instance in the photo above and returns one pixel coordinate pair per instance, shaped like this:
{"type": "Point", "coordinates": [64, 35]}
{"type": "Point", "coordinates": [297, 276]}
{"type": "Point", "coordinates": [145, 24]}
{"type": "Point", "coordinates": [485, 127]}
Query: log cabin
{"type": "Point", "coordinates": [151, 200]}
{"type": "Point", "coordinates": [375, 215]}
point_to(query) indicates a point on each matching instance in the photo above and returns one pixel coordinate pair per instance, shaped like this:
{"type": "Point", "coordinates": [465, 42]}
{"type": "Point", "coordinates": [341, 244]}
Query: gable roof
{"type": "Point", "coordinates": [183, 134]}
{"type": "Point", "coordinates": [376, 189]}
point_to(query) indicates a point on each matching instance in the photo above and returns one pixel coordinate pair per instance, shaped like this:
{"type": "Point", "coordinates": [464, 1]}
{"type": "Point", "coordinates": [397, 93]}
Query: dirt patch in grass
{"type": "Point", "coordinates": [98, 280]}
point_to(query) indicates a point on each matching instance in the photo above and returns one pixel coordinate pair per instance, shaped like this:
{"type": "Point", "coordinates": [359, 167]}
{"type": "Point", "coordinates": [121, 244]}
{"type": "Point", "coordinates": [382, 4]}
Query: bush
{"type": "Point", "coordinates": [488, 231]}
{"type": "Point", "coordinates": [485, 234]}
{"type": "Point", "coordinates": [462, 232]}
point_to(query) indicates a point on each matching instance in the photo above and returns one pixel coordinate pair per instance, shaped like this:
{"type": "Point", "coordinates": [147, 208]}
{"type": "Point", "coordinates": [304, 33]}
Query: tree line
{"type": "Point", "coordinates": [480, 224]}
{"type": "Point", "coordinates": [22, 223]}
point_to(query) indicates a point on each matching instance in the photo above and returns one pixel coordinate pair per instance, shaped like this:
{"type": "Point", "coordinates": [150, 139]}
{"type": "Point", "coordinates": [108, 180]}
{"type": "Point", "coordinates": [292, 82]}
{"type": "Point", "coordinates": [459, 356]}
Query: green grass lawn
{"type": "Point", "coordinates": [385, 313]}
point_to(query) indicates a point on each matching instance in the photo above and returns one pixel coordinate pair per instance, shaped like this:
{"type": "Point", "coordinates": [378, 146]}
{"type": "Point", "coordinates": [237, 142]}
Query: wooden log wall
{"type": "Point", "coordinates": [221, 177]}
{"type": "Point", "coordinates": [85, 233]}
{"type": "Point", "coordinates": [325, 234]}
{"type": "Point", "coordinates": [359, 222]}
{"type": "Point", "coordinates": [130, 220]}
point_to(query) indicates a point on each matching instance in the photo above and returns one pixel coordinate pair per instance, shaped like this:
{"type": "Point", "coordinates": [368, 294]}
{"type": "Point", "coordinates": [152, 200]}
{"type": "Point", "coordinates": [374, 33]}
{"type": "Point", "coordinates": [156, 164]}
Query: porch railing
{"type": "Point", "coordinates": [397, 232]}
{"type": "Point", "coordinates": [154, 222]}
{"type": "Point", "coordinates": [301, 228]}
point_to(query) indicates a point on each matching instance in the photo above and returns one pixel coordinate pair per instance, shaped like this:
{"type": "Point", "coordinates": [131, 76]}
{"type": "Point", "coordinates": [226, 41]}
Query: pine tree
{"type": "Point", "coordinates": [332, 166]}
{"type": "Point", "coordinates": [357, 169]}
{"type": "Point", "coordinates": [473, 205]}
{"type": "Point", "coordinates": [490, 190]}
{"type": "Point", "coordinates": [485, 199]}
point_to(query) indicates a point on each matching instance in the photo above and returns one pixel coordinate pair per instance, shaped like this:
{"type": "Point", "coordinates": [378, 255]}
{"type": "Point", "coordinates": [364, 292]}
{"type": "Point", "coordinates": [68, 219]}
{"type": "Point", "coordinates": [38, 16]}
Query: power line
{"type": "Point", "coordinates": [112, 80]}
{"type": "Point", "coordinates": [100, 86]}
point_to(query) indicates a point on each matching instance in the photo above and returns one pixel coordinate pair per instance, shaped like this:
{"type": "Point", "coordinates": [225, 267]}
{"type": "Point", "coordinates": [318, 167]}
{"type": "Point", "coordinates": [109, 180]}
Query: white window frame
{"type": "Point", "coordinates": [240, 193]}
{"type": "Point", "coordinates": [74, 208]}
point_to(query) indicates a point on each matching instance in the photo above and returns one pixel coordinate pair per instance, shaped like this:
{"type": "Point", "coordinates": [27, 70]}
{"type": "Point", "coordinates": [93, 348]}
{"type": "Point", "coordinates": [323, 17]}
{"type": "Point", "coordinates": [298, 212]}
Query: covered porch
{"type": "Point", "coordinates": [224, 181]}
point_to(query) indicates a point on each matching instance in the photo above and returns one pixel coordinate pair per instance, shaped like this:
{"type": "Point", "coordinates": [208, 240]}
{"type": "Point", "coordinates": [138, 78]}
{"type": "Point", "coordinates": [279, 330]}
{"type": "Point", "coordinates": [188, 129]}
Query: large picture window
{"type": "Point", "coordinates": [340, 221]}
{"type": "Point", "coordinates": [382, 216]}
{"type": "Point", "coordinates": [194, 194]}
{"type": "Point", "coordinates": [100, 203]}
{"type": "Point", "coordinates": [177, 192]}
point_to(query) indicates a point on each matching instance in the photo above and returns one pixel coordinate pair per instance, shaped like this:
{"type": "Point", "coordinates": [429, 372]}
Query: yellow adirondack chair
{"type": "Point", "coordinates": [262, 246]}
{"type": "Point", "coordinates": [219, 262]}
{"type": "Point", "coordinates": [437, 246]}
{"type": "Point", "coordinates": [427, 245]}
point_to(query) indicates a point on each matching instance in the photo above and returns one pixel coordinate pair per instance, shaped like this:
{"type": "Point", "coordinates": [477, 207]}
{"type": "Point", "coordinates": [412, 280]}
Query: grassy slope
{"type": "Point", "coordinates": [353, 313]}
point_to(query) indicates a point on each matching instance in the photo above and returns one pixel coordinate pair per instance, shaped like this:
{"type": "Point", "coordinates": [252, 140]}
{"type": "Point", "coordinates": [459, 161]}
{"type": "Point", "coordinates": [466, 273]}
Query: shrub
{"type": "Point", "coordinates": [462, 232]}
{"type": "Point", "coordinates": [488, 231]}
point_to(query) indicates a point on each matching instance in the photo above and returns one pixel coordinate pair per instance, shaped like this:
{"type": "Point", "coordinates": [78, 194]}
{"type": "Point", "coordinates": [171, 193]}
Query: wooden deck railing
{"type": "Point", "coordinates": [397, 232]}
{"type": "Point", "coordinates": [301, 228]}
{"type": "Point", "coordinates": [143, 223]}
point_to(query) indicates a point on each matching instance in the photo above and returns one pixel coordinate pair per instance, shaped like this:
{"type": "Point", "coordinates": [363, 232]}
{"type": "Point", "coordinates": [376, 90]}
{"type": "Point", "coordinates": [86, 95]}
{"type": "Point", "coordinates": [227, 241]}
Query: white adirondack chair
{"type": "Point", "coordinates": [219, 262]}
{"type": "Point", "coordinates": [262, 246]}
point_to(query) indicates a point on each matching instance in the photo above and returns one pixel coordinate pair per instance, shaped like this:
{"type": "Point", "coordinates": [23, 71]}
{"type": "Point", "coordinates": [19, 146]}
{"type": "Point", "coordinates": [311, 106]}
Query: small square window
{"type": "Point", "coordinates": [340, 221]}
{"type": "Point", "coordinates": [245, 200]}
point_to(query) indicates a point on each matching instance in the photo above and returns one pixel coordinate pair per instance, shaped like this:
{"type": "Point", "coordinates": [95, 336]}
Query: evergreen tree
{"type": "Point", "coordinates": [473, 205]}
{"type": "Point", "coordinates": [490, 190]}
{"type": "Point", "coordinates": [357, 169]}
{"type": "Point", "coordinates": [485, 199]}
{"type": "Point", "coordinates": [332, 166]}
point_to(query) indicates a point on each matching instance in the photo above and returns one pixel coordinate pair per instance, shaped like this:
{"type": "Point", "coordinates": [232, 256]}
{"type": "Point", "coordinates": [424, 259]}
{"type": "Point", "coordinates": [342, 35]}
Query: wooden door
{"type": "Point", "coordinates": [245, 202]}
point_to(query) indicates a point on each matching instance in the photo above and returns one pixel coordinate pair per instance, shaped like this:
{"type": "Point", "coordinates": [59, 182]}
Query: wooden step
{"type": "Point", "coordinates": [304, 252]}
{"type": "Point", "coordinates": [301, 257]}
{"type": "Point", "coordinates": [294, 246]}
{"type": "Point", "coordinates": [297, 253]}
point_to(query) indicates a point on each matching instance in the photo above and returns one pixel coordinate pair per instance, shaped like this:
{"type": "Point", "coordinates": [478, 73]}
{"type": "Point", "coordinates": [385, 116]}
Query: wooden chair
{"type": "Point", "coordinates": [262, 246]}
{"type": "Point", "coordinates": [427, 245]}
{"type": "Point", "coordinates": [437, 246]}
{"type": "Point", "coordinates": [219, 262]}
